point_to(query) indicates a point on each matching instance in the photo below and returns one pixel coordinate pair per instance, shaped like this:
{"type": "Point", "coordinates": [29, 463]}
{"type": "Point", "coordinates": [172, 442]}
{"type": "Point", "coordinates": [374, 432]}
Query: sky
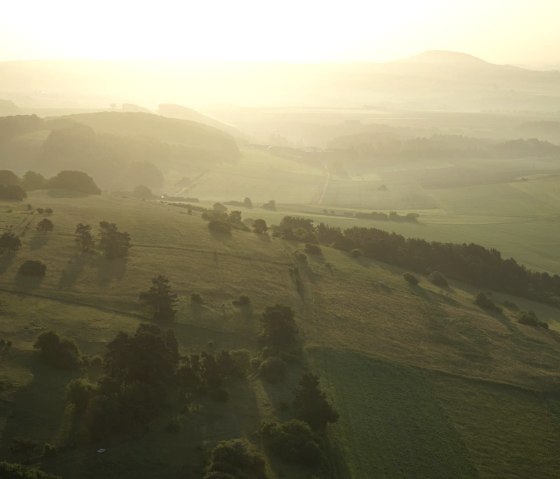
{"type": "Point", "coordinates": [500, 31]}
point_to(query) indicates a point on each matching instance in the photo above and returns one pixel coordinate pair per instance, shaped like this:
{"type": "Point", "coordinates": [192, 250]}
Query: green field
{"type": "Point", "coordinates": [414, 372]}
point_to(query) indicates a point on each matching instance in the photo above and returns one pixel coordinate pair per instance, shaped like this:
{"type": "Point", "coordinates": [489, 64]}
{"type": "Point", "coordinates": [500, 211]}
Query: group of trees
{"type": "Point", "coordinates": [112, 242]}
{"type": "Point", "coordinates": [61, 353]}
{"type": "Point", "coordinates": [13, 187]}
{"type": "Point", "coordinates": [470, 263]}
{"type": "Point", "coordinates": [392, 216]}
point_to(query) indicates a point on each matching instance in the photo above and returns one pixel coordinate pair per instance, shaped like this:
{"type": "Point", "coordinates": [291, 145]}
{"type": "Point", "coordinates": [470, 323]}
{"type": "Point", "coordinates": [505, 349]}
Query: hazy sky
{"type": "Point", "coordinates": [501, 31]}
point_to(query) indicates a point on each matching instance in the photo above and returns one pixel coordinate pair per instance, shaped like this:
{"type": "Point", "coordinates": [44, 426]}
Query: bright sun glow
{"type": "Point", "coordinates": [289, 30]}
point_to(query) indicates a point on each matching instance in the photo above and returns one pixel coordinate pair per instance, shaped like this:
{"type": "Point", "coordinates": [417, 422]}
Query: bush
{"type": "Point", "coordinates": [58, 352]}
{"type": "Point", "coordinates": [17, 471]}
{"type": "Point", "coordinates": [439, 279]}
{"type": "Point", "coordinates": [235, 459]}
{"type": "Point", "coordinates": [33, 268]}
{"type": "Point", "coordinates": [529, 318]}
{"type": "Point", "coordinates": [294, 442]}
{"type": "Point", "coordinates": [483, 301]}
{"type": "Point", "coordinates": [273, 370]}
{"type": "Point", "coordinates": [219, 228]}
{"type": "Point", "coordinates": [45, 225]}
{"type": "Point", "coordinates": [411, 279]}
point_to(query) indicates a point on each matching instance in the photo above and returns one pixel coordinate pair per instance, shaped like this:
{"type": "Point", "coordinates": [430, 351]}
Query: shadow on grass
{"type": "Point", "coordinates": [28, 283]}
{"type": "Point", "coordinates": [39, 240]}
{"type": "Point", "coordinates": [110, 269]}
{"type": "Point", "coordinates": [38, 407]}
{"type": "Point", "coordinates": [72, 270]}
{"type": "Point", "coordinates": [6, 261]}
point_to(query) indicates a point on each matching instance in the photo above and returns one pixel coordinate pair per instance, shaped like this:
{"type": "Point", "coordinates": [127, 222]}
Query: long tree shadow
{"type": "Point", "coordinates": [6, 261]}
{"type": "Point", "coordinates": [39, 240]}
{"type": "Point", "coordinates": [110, 269]}
{"type": "Point", "coordinates": [28, 283]}
{"type": "Point", "coordinates": [38, 407]}
{"type": "Point", "coordinates": [72, 270]}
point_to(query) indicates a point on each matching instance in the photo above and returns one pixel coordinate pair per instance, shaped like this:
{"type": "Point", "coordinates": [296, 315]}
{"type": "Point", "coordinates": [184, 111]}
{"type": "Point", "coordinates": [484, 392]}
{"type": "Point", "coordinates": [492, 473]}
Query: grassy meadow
{"type": "Point", "coordinates": [426, 383]}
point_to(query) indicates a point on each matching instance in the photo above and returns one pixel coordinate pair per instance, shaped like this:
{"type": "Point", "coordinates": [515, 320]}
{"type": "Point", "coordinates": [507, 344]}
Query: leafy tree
{"type": "Point", "coordinates": [114, 243]}
{"type": "Point", "coordinates": [279, 327]}
{"type": "Point", "coordinates": [9, 243]}
{"type": "Point", "coordinates": [271, 205]}
{"type": "Point", "coordinates": [259, 226]}
{"type": "Point", "coordinates": [78, 393]}
{"type": "Point", "coordinates": [234, 459]}
{"type": "Point", "coordinates": [8, 178]}
{"type": "Point", "coordinates": [161, 299]}
{"type": "Point", "coordinates": [33, 268]}
{"type": "Point", "coordinates": [311, 404]}
{"type": "Point", "coordinates": [294, 442]}
{"type": "Point", "coordinates": [45, 225]}
{"type": "Point", "coordinates": [58, 352]}
{"type": "Point", "coordinates": [33, 181]}
{"type": "Point", "coordinates": [247, 202]}
{"type": "Point", "coordinates": [83, 237]}
{"type": "Point", "coordinates": [17, 471]}
{"type": "Point", "coordinates": [74, 181]}
{"type": "Point", "coordinates": [12, 192]}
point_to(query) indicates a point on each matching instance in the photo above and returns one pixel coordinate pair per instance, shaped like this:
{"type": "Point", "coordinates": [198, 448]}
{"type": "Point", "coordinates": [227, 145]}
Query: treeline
{"type": "Point", "coordinates": [12, 187]}
{"type": "Point", "coordinates": [470, 263]}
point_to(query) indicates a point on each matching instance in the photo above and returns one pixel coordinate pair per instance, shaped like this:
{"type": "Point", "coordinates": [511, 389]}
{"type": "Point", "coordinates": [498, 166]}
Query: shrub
{"type": "Point", "coordinates": [235, 459]}
{"type": "Point", "coordinates": [58, 352]}
{"type": "Point", "coordinates": [293, 442]}
{"type": "Point", "coordinates": [530, 319]}
{"type": "Point", "coordinates": [33, 268]}
{"type": "Point", "coordinates": [511, 305]}
{"type": "Point", "coordinates": [273, 370]}
{"type": "Point", "coordinates": [411, 279]}
{"type": "Point", "coordinates": [483, 301]}
{"type": "Point", "coordinates": [219, 228]}
{"type": "Point", "coordinates": [439, 279]}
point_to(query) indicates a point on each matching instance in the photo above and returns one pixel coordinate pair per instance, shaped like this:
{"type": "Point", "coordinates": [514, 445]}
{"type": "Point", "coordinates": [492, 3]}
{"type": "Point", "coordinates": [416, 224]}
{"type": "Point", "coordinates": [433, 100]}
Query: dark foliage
{"type": "Point", "coordinates": [8, 178]}
{"type": "Point", "coordinates": [78, 393]}
{"type": "Point", "coordinates": [12, 192]}
{"type": "Point", "coordinates": [160, 299]}
{"type": "Point", "coordinates": [297, 229]}
{"type": "Point", "coordinates": [235, 459]}
{"type": "Point", "coordinates": [411, 279]}
{"type": "Point", "coordinates": [58, 352]}
{"type": "Point", "coordinates": [485, 302]}
{"type": "Point", "coordinates": [273, 369]}
{"type": "Point", "coordinates": [529, 318]}
{"type": "Point", "coordinates": [311, 404]}
{"type": "Point", "coordinates": [220, 228]}
{"type": "Point", "coordinates": [470, 263]}
{"type": "Point", "coordinates": [279, 328]}
{"type": "Point", "coordinates": [9, 243]}
{"type": "Point", "coordinates": [259, 226]}
{"type": "Point", "coordinates": [83, 237]}
{"type": "Point", "coordinates": [271, 205]}
{"type": "Point", "coordinates": [45, 225]}
{"type": "Point", "coordinates": [313, 249]}
{"type": "Point", "coordinates": [33, 181]}
{"type": "Point", "coordinates": [294, 442]}
{"type": "Point", "coordinates": [438, 279]}
{"type": "Point", "coordinates": [77, 181]}
{"type": "Point", "coordinates": [33, 268]}
{"type": "Point", "coordinates": [114, 243]}
{"type": "Point", "coordinates": [17, 471]}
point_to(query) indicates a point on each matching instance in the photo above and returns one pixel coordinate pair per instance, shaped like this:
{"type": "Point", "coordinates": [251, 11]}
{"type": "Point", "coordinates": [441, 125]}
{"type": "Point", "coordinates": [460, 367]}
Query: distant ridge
{"type": "Point", "coordinates": [445, 57]}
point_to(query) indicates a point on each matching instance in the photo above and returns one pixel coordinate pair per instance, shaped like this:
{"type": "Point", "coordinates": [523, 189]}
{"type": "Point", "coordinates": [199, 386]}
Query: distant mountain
{"type": "Point", "coordinates": [433, 80]}
{"type": "Point", "coordinates": [182, 112]}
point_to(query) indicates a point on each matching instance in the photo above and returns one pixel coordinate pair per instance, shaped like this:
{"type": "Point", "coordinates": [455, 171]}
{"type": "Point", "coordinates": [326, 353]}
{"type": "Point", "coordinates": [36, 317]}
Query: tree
{"type": "Point", "coordinates": [33, 181]}
{"type": "Point", "coordinates": [114, 243]}
{"type": "Point", "coordinates": [17, 471]}
{"type": "Point", "coordinates": [45, 225]}
{"type": "Point", "coordinates": [271, 205]}
{"type": "Point", "coordinates": [160, 298]}
{"type": "Point", "coordinates": [58, 352]}
{"type": "Point", "coordinates": [12, 192]}
{"type": "Point", "coordinates": [84, 238]}
{"type": "Point", "coordinates": [235, 459]}
{"type": "Point", "coordinates": [143, 192]}
{"type": "Point", "coordinates": [260, 227]}
{"type": "Point", "coordinates": [247, 202]}
{"type": "Point", "coordinates": [311, 404]}
{"type": "Point", "coordinates": [74, 181]}
{"type": "Point", "coordinates": [78, 393]}
{"type": "Point", "coordinates": [9, 243]}
{"type": "Point", "coordinates": [279, 327]}
{"type": "Point", "coordinates": [8, 178]}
